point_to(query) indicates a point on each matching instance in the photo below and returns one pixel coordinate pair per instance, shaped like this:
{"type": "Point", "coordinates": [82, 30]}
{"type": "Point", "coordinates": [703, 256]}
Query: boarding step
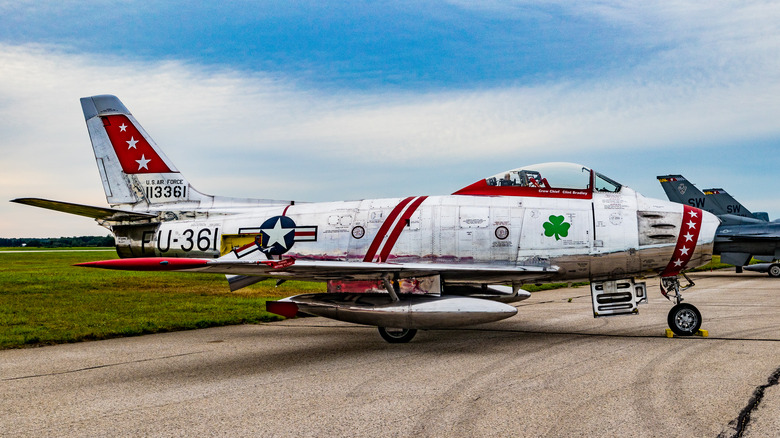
{"type": "Point", "coordinates": [619, 297]}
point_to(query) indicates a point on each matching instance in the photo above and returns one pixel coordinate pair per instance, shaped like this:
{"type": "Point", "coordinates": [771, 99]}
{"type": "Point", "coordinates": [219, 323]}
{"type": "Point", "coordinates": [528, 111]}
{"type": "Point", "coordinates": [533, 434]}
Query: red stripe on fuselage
{"type": "Point", "coordinates": [380, 235]}
{"type": "Point", "coordinates": [399, 227]}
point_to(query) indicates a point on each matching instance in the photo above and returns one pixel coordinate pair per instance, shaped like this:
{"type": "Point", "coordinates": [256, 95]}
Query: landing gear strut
{"type": "Point", "coordinates": [397, 335]}
{"type": "Point", "coordinates": [684, 319]}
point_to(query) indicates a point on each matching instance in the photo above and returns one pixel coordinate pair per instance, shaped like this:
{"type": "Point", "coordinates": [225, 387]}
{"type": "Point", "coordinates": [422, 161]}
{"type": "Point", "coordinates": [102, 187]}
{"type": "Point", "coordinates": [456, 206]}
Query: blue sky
{"type": "Point", "coordinates": [315, 101]}
{"type": "Point", "coordinates": [364, 45]}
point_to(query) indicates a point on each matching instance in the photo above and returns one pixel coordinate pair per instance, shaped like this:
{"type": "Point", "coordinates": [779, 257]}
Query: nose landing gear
{"type": "Point", "coordinates": [684, 319]}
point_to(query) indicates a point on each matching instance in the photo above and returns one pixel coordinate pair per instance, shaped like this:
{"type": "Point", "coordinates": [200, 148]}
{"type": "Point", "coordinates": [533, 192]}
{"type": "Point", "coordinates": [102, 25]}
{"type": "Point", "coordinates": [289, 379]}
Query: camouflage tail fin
{"type": "Point", "coordinates": [680, 190]}
{"type": "Point", "coordinates": [731, 205]}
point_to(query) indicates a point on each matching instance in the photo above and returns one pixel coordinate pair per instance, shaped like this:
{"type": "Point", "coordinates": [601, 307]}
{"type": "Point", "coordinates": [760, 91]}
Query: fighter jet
{"type": "Point", "coordinates": [742, 235]}
{"type": "Point", "coordinates": [401, 264]}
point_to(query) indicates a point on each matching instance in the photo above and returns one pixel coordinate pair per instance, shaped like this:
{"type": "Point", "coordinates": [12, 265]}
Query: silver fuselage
{"type": "Point", "coordinates": [612, 235]}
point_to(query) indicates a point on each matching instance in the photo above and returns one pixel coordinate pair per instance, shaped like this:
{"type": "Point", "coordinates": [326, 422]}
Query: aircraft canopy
{"type": "Point", "coordinates": [560, 180]}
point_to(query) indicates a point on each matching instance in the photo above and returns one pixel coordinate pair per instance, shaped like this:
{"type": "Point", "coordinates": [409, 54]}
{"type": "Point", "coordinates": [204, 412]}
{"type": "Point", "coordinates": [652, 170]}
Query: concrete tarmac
{"type": "Point", "coordinates": [551, 370]}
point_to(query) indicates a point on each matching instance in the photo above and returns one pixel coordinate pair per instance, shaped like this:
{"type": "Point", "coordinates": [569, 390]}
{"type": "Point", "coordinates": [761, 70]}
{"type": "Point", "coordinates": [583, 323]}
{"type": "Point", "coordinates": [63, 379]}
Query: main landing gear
{"type": "Point", "coordinates": [397, 335]}
{"type": "Point", "coordinates": [684, 319]}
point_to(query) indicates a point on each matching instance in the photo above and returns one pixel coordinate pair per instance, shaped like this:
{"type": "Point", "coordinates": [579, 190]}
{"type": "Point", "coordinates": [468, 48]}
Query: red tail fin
{"type": "Point", "coordinates": [135, 153]}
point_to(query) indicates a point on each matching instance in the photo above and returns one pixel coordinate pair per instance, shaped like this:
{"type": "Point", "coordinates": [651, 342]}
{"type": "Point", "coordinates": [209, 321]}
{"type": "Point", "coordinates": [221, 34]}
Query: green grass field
{"type": "Point", "coordinates": [716, 264]}
{"type": "Point", "coordinates": [45, 300]}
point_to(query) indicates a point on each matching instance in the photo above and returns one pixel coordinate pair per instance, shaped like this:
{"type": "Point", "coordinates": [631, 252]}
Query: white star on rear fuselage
{"type": "Point", "coordinates": [143, 163]}
{"type": "Point", "coordinates": [277, 234]}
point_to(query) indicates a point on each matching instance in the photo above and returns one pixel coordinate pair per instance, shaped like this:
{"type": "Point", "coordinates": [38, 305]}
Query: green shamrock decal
{"type": "Point", "coordinates": [556, 227]}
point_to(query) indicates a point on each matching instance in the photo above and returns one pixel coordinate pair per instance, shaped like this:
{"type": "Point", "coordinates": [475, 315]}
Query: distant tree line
{"type": "Point", "coordinates": [58, 242]}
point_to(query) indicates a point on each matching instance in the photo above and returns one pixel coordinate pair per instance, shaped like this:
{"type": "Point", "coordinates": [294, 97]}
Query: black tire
{"type": "Point", "coordinates": [684, 319]}
{"type": "Point", "coordinates": [397, 335]}
{"type": "Point", "coordinates": [774, 270]}
{"type": "Point", "coordinates": [738, 269]}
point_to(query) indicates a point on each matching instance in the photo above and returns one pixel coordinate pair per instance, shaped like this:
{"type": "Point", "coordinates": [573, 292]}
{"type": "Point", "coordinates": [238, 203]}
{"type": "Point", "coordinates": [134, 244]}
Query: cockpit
{"type": "Point", "coordinates": [566, 180]}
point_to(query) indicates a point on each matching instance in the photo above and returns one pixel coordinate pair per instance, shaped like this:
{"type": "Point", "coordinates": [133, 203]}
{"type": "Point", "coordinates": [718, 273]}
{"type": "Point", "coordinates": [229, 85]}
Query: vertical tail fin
{"type": "Point", "coordinates": [134, 170]}
{"type": "Point", "coordinates": [680, 190]}
{"type": "Point", "coordinates": [731, 205]}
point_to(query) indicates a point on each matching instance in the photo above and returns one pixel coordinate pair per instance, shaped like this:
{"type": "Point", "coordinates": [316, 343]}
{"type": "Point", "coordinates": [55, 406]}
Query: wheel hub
{"type": "Point", "coordinates": [685, 319]}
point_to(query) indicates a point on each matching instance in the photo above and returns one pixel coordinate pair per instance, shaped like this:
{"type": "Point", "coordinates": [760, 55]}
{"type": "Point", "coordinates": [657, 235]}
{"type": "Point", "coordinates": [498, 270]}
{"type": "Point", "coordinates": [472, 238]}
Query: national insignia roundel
{"type": "Point", "coordinates": [277, 235]}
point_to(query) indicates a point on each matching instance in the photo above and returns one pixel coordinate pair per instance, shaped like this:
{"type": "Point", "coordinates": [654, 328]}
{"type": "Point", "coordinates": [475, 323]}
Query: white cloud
{"type": "Point", "coordinates": [713, 84]}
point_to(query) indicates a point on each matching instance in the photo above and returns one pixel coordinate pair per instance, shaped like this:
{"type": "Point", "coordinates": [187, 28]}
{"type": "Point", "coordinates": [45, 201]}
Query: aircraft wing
{"type": "Point", "coordinates": [84, 210]}
{"type": "Point", "coordinates": [316, 270]}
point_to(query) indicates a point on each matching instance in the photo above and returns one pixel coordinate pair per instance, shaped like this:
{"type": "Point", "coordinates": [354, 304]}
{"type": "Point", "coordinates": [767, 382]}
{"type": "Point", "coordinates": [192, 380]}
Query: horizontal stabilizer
{"type": "Point", "coordinates": [761, 215]}
{"type": "Point", "coordinates": [84, 210]}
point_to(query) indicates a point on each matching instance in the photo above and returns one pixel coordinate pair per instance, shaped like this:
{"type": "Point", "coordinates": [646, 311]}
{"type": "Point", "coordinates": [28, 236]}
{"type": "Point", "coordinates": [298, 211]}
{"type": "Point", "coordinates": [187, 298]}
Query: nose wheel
{"type": "Point", "coordinates": [684, 319]}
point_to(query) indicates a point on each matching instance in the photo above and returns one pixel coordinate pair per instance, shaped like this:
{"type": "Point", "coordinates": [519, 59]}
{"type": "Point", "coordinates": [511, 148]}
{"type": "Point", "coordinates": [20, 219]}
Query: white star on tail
{"type": "Point", "coordinates": [277, 234]}
{"type": "Point", "coordinates": [142, 163]}
{"type": "Point", "coordinates": [122, 127]}
{"type": "Point", "coordinates": [693, 213]}
{"type": "Point", "coordinates": [683, 251]}
{"type": "Point", "coordinates": [688, 237]}
{"type": "Point", "coordinates": [131, 143]}
{"type": "Point", "coordinates": [691, 224]}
